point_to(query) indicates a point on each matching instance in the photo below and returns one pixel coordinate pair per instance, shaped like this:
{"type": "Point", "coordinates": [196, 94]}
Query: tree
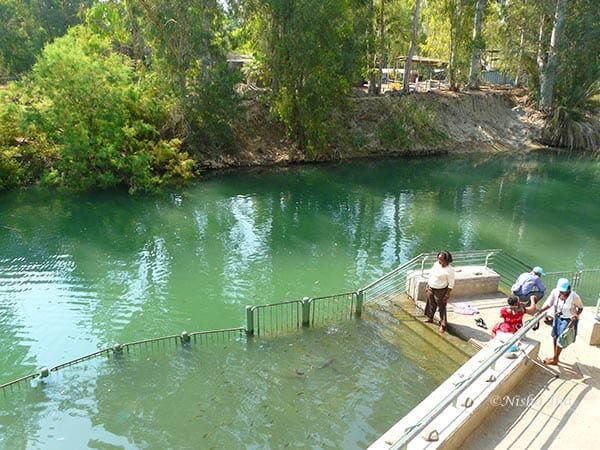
{"type": "Point", "coordinates": [310, 53]}
{"type": "Point", "coordinates": [573, 120]}
{"type": "Point", "coordinates": [478, 45]}
{"type": "Point", "coordinates": [550, 72]}
{"type": "Point", "coordinates": [83, 97]}
{"type": "Point", "coordinates": [26, 26]}
{"type": "Point", "coordinates": [448, 36]}
{"type": "Point", "coordinates": [188, 51]}
{"type": "Point", "coordinates": [382, 55]}
{"type": "Point", "coordinates": [411, 50]}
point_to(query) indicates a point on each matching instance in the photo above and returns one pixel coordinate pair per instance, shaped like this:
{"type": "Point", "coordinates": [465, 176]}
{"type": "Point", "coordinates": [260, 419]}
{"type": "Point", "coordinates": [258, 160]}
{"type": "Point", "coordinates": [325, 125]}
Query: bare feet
{"type": "Point", "coordinates": [551, 362]}
{"type": "Point", "coordinates": [442, 329]}
{"type": "Point", "coordinates": [428, 320]}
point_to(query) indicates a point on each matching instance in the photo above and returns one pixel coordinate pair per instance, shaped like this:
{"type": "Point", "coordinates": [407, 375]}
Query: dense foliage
{"type": "Point", "coordinates": [138, 93]}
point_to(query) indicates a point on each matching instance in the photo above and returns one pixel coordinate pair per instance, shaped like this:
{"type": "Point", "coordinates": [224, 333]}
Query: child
{"type": "Point", "coordinates": [512, 315]}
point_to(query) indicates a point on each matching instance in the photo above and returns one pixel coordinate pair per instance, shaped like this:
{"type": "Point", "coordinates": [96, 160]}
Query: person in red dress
{"type": "Point", "coordinates": [512, 316]}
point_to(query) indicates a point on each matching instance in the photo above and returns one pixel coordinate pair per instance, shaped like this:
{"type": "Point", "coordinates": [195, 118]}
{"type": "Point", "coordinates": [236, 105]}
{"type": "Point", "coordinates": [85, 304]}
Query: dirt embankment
{"type": "Point", "coordinates": [471, 122]}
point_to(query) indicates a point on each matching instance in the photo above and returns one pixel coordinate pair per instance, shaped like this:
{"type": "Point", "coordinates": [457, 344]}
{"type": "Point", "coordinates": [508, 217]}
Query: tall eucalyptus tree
{"type": "Point", "coordinates": [478, 44]}
{"type": "Point", "coordinates": [188, 49]}
{"type": "Point", "coordinates": [549, 75]}
{"type": "Point", "coordinates": [310, 51]}
{"type": "Point", "coordinates": [411, 49]}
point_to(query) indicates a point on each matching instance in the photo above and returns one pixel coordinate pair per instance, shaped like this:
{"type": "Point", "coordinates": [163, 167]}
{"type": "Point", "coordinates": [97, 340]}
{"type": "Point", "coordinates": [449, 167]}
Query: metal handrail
{"type": "Point", "coordinates": [184, 338]}
{"type": "Point", "coordinates": [413, 431]}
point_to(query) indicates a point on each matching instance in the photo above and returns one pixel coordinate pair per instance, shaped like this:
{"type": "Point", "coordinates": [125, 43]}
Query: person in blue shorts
{"type": "Point", "coordinates": [567, 306]}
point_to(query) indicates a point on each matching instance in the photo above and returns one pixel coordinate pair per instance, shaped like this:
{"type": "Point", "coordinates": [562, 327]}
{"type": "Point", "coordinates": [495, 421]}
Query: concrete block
{"type": "Point", "coordinates": [588, 328]}
{"type": "Point", "coordinates": [489, 394]}
{"type": "Point", "coordinates": [469, 281]}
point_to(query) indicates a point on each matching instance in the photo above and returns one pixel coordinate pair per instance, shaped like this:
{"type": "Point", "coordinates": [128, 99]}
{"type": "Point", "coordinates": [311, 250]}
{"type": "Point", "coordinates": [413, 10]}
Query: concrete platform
{"type": "Point", "coordinates": [548, 407]}
{"type": "Point", "coordinates": [554, 407]}
{"type": "Point", "coordinates": [469, 280]}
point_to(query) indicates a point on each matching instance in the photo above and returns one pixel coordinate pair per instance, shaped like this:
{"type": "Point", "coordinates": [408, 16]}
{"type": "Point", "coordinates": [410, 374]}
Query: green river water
{"type": "Point", "coordinates": [80, 273]}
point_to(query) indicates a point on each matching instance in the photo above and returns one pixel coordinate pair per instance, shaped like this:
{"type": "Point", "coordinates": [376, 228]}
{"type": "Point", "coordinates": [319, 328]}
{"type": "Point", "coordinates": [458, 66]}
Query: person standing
{"type": "Point", "coordinates": [438, 289]}
{"type": "Point", "coordinates": [529, 287]}
{"type": "Point", "coordinates": [567, 307]}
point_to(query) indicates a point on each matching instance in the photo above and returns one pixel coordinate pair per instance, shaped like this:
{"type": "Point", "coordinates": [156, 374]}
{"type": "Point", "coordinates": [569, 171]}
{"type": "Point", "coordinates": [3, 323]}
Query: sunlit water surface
{"type": "Point", "coordinates": [81, 273]}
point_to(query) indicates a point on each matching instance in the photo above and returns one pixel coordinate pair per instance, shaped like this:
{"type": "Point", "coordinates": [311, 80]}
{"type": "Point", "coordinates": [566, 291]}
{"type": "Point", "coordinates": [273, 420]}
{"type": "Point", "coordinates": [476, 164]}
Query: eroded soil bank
{"type": "Point", "coordinates": [489, 121]}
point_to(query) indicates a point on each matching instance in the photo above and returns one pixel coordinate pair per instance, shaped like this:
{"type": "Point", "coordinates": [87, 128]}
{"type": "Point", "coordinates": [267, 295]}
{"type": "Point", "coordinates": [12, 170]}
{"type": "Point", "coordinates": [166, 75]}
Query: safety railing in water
{"type": "Point", "coordinates": [284, 317]}
{"type": "Point", "coordinates": [279, 318]}
{"type": "Point", "coordinates": [270, 319]}
{"type": "Point", "coordinates": [394, 282]}
{"type": "Point", "coordinates": [185, 338]}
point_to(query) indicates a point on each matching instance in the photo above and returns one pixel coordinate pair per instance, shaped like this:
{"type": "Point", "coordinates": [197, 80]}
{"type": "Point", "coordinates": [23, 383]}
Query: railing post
{"type": "Point", "coordinates": [360, 297]}
{"type": "Point", "coordinates": [487, 258]}
{"type": "Point", "coordinates": [423, 263]}
{"type": "Point", "coordinates": [249, 321]}
{"type": "Point", "coordinates": [575, 279]}
{"type": "Point", "coordinates": [305, 312]}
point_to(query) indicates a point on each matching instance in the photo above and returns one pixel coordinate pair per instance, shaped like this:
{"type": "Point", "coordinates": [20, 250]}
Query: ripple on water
{"type": "Point", "coordinates": [339, 386]}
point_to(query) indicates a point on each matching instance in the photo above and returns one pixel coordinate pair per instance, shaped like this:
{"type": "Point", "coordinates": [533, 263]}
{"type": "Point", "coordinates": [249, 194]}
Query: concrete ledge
{"type": "Point", "coordinates": [489, 391]}
{"type": "Point", "coordinates": [469, 281]}
{"type": "Point", "coordinates": [588, 328]}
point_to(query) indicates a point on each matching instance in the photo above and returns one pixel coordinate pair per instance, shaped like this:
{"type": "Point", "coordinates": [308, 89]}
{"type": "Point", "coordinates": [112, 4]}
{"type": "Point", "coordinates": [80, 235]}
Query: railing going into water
{"type": "Point", "coordinates": [394, 282]}
{"type": "Point", "coordinates": [287, 316]}
{"type": "Point", "coordinates": [185, 338]}
{"type": "Point", "coordinates": [279, 318]}
{"type": "Point", "coordinates": [585, 282]}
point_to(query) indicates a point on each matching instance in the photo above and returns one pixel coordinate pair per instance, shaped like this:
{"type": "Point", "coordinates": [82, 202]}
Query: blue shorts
{"type": "Point", "coordinates": [560, 324]}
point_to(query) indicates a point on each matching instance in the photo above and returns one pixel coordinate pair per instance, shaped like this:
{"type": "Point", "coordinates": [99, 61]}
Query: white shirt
{"type": "Point", "coordinates": [441, 277]}
{"type": "Point", "coordinates": [568, 307]}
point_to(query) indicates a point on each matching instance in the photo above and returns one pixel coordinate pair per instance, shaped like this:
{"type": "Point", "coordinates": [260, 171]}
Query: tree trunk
{"type": "Point", "coordinates": [518, 77]}
{"type": "Point", "coordinates": [547, 83]}
{"type": "Point", "coordinates": [382, 47]}
{"type": "Point", "coordinates": [411, 49]}
{"type": "Point", "coordinates": [455, 19]}
{"type": "Point", "coordinates": [476, 54]}
{"type": "Point", "coordinates": [371, 59]}
{"type": "Point", "coordinates": [540, 56]}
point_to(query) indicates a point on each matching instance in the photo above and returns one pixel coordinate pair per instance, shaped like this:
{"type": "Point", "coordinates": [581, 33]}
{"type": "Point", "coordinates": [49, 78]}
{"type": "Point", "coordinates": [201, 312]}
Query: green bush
{"type": "Point", "coordinates": [87, 100]}
{"type": "Point", "coordinates": [392, 134]}
{"type": "Point", "coordinates": [23, 157]}
{"type": "Point", "coordinates": [410, 122]}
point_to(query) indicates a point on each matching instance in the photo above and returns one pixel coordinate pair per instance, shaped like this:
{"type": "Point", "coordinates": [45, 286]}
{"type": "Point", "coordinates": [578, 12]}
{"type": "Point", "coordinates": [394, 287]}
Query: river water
{"type": "Point", "coordinates": [80, 273]}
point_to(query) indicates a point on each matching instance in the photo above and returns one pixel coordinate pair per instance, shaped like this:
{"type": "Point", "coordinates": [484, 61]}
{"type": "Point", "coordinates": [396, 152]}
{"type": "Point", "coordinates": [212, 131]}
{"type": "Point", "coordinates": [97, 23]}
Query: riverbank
{"type": "Point", "coordinates": [466, 122]}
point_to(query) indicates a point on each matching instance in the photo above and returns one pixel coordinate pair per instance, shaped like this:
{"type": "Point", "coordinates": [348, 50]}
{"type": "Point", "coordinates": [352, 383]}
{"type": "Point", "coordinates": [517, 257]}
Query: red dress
{"type": "Point", "coordinates": [512, 321]}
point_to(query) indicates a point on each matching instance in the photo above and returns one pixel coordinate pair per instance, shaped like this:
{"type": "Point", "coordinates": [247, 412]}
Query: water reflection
{"type": "Point", "coordinates": [81, 273]}
{"type": "Point", "coordinates": [246, 244]}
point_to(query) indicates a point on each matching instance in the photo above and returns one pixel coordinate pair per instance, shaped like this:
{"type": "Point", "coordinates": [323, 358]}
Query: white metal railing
{"type": "Point", "coordinates": [412, 431]}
